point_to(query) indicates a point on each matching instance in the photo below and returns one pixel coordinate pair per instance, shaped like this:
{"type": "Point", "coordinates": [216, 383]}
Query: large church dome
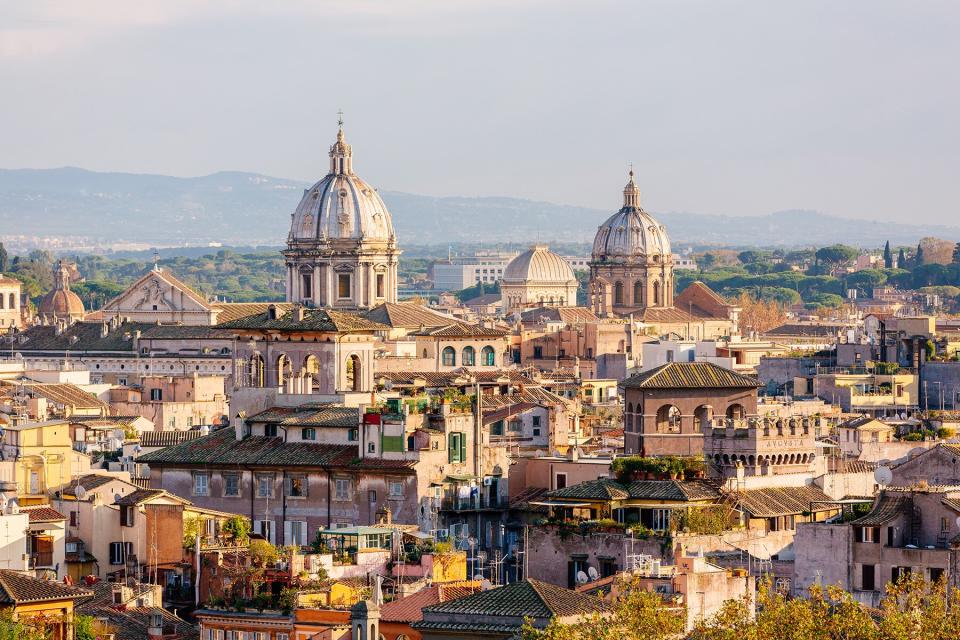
{"type": "Point", "coordinates": [341, 205]}
{"type": "Point", "coordinates": [631, 233]}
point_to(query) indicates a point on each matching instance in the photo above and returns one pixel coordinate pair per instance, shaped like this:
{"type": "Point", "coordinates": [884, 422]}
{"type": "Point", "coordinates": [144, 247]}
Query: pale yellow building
{"type": "Point", "coordinates": [10, 314]}
{"type": "Point", "coordinates": [39, 455]}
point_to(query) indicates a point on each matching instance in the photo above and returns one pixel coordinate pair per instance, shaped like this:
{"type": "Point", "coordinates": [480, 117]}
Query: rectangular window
{"type": "Point", "coordinates": [396, 489]}
{"type": "Point", "coordinates": [457, 448]}
{"type": "Point", "coordinates": [308, 434]}
{"type": "Point", "coordinates": [127, 514]}
{"type": "Point", "coordinates": [295, 532]}
{"type": "Point", "coordinates": [264, 485]}
{"type": "Point", "coordinates": [201, 483]}
{"type": "Point", "coordinates": [343, 285]}
{"type": "Point", "coordinates": [297, 485]}
{"type": "Point", "coordinates": [343, 491]}
{"type": "Point", "coordinates": [536, 421]}
{"type": "Point", "coordinates": [74, 518]}
{"type": "Point", "coordinates": [661, 519]}
{"type": "Point", "coordinates": [119, 552]}
{"type": "Point", "coordinates": [267, 529]}
{"type": "Point", "coordinates": [869, 534]}
{"type": "Point", "coordinates": [231, 485]}
{"type": "Point", "coordinates": [282, 636]}
{"type": "Point", "coordinates": [353, 435]}
{"type": "Point", "coordinates": [538, 352]}
{"type": "Point", "coordinates": [270, 430]}
{"type": "Point", "coordinates": [868, 578]}
{"type": "Point", "coordinates": [156, 395]}
{"type": "Point", "coordinates": [536, 431]}
{"type": "Point", "coordinates": [306, 286]}
{"type": "Point", "coordinates": [560, 481]}
{"type": "Point", "coordinates": [380, 285]}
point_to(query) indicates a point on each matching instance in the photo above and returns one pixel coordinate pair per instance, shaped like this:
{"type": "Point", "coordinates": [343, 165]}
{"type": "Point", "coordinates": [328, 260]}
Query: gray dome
{"type": "Point", "coordinates": [630, 232]}
{"type": "Point", "coordinates": [538, 264]}
{"type": "Point", "coordinates": [341, 205]}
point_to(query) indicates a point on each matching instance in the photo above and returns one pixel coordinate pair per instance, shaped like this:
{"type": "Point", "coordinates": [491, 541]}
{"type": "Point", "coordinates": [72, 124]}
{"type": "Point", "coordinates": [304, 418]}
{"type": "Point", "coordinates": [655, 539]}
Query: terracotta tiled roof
{"type": "Point", "coordinates": [326, 320]}
{"type": "Point", "coordinates": [888, 508]}
{"type": "Point", "coordinates": [806, 330]}
{"type": "Point", "coordinates": [132, 623]}
{"type": "Point", "coordinates": [952, 503]}
{"type": "Point", "coordinates": [602, 489]}
{"type": "Point", "coordinates": [407, 315]}
{"type": "Point", "coordinates": [462, 330]}
{"type": "Point", "coordinates": [222, 448]}
{"type": "Point", "coordinates": [89, 482]}
{"type": "Point", "coordinates": [675, 490]}
{"type": "Point", "coordinates": [17, 588]}
{"type": "Point", "coordinates": [230, 311]}
{"type": "Point", "coordinates": [310, 415]}
{"type": "Point", "coordinates": [410, 608]}
{"type": "Point", "coordinates": [457, 377]}
{"type": "Point", "coordinates": [521, 501]}
{"type": "Point", "coordinates": [143, 495]}
{"type": "Point", "coordinates": [167, 438]}
{"type": "Point", "coordinates": [526, 599]}
{"type": "Point", "coordinates": [690, 375]}
{"type": "Point", "coordinates": [62, 393]}
{"type": "Point", "coordinates": [43, 513]}
{"type": "Point", "coordinates": [5, 280]}
{"type": "Point", "coordinates": [184, 332]}
{"type": "Point", "coordinates": [782, 501]}
{"type": "Point", "coordinates": [103, 595]}
{"type": "Point", "coordinates": [82, 336]}
{"type": "Point", "coordinates": [566, 315]}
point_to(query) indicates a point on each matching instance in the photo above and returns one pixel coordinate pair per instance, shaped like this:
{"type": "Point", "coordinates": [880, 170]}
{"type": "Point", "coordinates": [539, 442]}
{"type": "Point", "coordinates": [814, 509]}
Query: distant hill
{"type": "Point", "coordinates": [247, 208]}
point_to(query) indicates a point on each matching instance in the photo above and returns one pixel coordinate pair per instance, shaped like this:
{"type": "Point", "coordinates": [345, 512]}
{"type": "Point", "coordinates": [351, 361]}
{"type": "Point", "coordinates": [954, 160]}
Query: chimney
{"type": "Point", "coordinates": [155, 630]}
{"type": "Point", "coordinates": [240, 426]}
{"type": "Point", "coordinates": [104, 330]}
{"type": "Point", "coordinates": [299, 313]}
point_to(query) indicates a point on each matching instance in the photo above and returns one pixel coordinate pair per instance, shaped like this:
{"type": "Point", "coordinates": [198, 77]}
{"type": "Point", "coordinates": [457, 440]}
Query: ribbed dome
{"type": "Point", "coordinates": [630, 232]}
{"type": "Point", "coordinates": [61, 302]}
{"type": "Point", "coordinates": [538, 264]}
{"type": "Point", "coordinates": [341, 205]}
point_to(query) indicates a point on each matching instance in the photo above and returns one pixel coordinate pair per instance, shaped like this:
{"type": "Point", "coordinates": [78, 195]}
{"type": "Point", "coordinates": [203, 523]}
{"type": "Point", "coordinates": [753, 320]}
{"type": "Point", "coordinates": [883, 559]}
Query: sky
{"type": "Point", "coordinates": [723, 107]}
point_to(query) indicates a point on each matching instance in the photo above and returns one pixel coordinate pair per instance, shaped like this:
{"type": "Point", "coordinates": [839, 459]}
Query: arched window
{"type": "Point", "coordinates": [618, 293]}
{"type": "Point", "coordinates": [656, 293]}
{"type": "Point", "coordinates": [488, 356]}
{"type": "Point", "coordinates": [424, 354]}
{"type": "Point", "coordinates": [628, 418]}
{"type": "Point", "coordinates": [448, 357]}
{"type": "Point", "coordinates": [736, 411]}
{"type": "Point", "coordinates": [13, 301]}
{"type": "Point", "coordinates": [256, 370]}
{"type": "Point", "coordinates": [1, 301]}
{"type": "Point", "coordinates": [468, 357]}
{"type": "Point", "coordinates": [354, 377]}
{"type": "Point", "coordinates": [638, 293]}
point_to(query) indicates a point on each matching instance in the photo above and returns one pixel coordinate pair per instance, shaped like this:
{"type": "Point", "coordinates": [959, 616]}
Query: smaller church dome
{"type": "Point", "coordinates": [61, 302]}
{"type": "Point", "coordinates": [538, 264]}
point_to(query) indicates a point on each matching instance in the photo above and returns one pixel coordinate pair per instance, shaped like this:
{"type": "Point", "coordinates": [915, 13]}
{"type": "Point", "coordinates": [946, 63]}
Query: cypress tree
{"type": "Point", "coordinates": [887, 256]}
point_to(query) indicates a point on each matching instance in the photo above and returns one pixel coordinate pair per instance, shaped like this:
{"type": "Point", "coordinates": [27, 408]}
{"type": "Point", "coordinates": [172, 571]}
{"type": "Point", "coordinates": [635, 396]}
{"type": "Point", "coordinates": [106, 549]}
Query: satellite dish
{"type": "Point", "coordinates": [883, 475]}
{"type": "Point", "coordinates": [486, 585]}
{"type": "Point", "coordinates": [482, 555]}
{"type": "Point", "coordinates": [80, 492]}
{"type": "Point", "coordinates": [582, 578]}
{"type": "Point", "coordinates": [593, 573]}
{"type": "Point", "coordinates": [116, 497]}
{"type": "Point", "coordinates": [478, 576]}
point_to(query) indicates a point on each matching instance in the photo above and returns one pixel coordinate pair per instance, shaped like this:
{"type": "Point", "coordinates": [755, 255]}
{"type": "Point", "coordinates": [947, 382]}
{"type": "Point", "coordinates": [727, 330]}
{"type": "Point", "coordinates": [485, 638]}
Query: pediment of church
{"type": "Point", "coordinates": [157, 291]}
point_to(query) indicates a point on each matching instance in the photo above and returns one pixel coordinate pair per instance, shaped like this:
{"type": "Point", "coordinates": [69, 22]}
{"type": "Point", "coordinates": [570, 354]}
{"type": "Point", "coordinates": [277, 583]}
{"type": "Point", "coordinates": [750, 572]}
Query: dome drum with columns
{"type": "Point", "coordinates": [538, 277]}
{"type": "Point", "coordinates": [631, 266]}
{"type": "Point", "coordinates": [341, 249]}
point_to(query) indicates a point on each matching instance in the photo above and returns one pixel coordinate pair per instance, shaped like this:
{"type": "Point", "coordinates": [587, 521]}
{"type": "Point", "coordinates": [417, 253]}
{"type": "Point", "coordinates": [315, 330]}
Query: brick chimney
{"type": "Point", "coordinates": [155, 630]}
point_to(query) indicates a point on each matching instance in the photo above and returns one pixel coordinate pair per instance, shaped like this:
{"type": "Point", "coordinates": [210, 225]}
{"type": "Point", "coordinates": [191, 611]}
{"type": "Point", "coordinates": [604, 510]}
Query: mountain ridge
{"type": "Point", "coordinates": [244, 207]}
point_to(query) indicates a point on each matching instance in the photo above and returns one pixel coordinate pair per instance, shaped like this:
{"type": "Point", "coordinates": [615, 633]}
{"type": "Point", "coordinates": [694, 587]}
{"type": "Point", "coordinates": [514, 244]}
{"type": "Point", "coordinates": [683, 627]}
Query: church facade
{"type": "Point", "coordinates": [341, 250]}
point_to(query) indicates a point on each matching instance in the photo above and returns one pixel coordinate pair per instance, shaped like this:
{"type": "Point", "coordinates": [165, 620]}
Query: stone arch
{"type": "Point", "coordinates": [353, 371]}
{"type": "Point", "coordinates": [726, 459]}
{"type": "Point", "coordinates": [284, 369]}
{"type": "Point", "coordinates": [751, 460]}
{"type": "Point", "coordinates": [256, 369]}
{"type": "Point", "coordinates": [668, 418]}
{"type": "Point", "coordinates": [703, 415]}
{"type": "Point", "coordinates": [656, 293]}
{"type": "Point", "coordinates": [717, 458]}
{"type": "Point", "coordinates": [311, 369]}
{"type": "Point", "coordinates": [735, 411]}
{"type": "Point", "coordinates": [468, 357]}
{"type": "Point", "coordinates": [638, 293]}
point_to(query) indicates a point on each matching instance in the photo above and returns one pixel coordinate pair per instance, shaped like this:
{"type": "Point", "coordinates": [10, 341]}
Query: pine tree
{"type": "Point", "coordinates": [887, 256]}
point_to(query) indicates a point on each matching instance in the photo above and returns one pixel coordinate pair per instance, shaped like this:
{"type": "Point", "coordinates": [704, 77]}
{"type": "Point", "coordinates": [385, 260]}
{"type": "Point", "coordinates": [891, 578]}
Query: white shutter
{"type": "Point", "coordinates": [287, 530]}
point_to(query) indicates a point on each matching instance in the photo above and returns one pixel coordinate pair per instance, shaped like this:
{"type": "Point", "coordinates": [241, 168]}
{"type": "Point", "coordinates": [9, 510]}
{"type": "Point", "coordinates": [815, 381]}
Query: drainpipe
{"type": "Point", "coordinates": [329, 496]}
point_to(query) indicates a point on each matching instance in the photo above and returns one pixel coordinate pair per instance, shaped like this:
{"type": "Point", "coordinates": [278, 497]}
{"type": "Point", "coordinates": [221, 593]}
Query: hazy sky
{"type": "Point", "coordinates": [845, 107]}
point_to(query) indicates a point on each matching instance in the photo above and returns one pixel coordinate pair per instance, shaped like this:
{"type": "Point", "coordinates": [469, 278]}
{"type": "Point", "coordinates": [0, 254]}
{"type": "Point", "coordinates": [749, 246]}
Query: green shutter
{"type": "Point", "coordinates": [451, 448]}
{"type": "Point", "coordinates": [463, 447]}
